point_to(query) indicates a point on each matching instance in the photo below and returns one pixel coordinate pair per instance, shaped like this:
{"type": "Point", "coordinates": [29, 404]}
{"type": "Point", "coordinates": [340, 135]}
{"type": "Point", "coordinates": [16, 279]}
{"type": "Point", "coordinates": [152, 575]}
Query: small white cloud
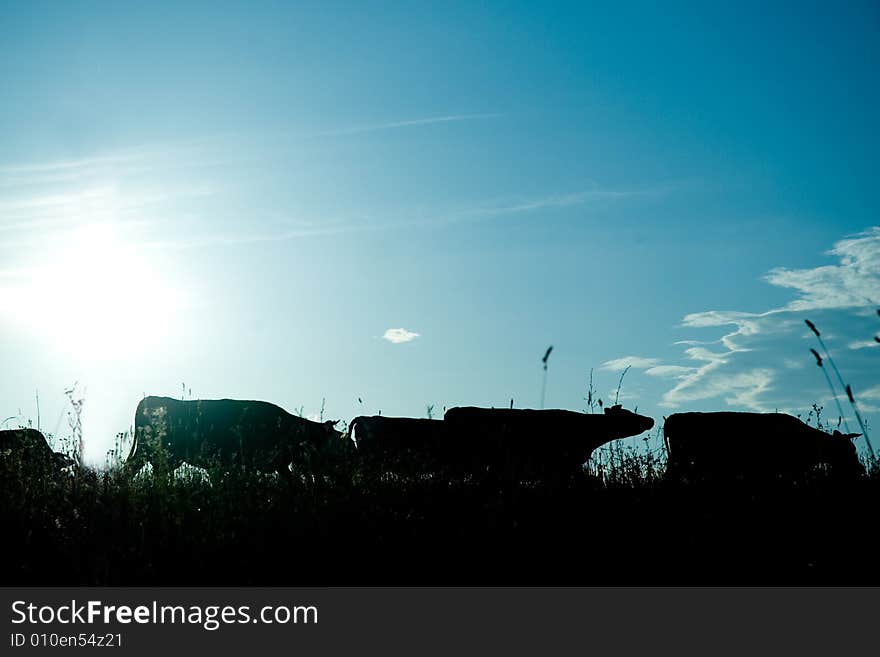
{"type": "Point", "coordinates": [638, 362]}
{"type": "Point", "coordinates": [399, 335]}
{"type": "Point", "coordinates": [864, 344]}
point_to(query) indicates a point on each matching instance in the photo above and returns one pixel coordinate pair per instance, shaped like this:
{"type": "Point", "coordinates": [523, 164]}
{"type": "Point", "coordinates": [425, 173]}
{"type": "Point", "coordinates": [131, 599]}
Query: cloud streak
{"type": "Point", "coordinates": [410, 123]}
{"type": "Point", "coordinates": [566, 200]}
{"type": "Point", "coordinates": [42, 201]}
{"type": "Point", "coordinates": [481, 213]}
{"type": "Point", "coordinates": [637, 362]}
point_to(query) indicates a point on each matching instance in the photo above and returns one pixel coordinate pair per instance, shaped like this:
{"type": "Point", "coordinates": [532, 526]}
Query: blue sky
{"type": "Point", "coordinates": [245, 198]}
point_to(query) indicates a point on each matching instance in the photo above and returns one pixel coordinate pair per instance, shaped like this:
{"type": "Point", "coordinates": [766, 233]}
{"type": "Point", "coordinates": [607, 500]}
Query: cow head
{"type": "Point", "coordinates": [336, 442]}
{"type": "Point", "coordinates": [627, 423]}
{"type": "Point", "coordinates": [62, 461]}
{"type": "Point", "coordinates": [843, 455]}
{"type": "Point", "coordinates": [330, 429]}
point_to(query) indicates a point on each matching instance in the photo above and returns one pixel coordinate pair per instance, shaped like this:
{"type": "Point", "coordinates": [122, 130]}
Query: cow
{"type": "Point", "coordinates": [527, 444]}
{"type": "Point", "coordinates": [32, 447]}
{"type": "Point", "coordinates": [252, 434]}
{"type": "Point", "coordinates": [400, 443]}
{"type": "Point", "coordinates": [753, 446]}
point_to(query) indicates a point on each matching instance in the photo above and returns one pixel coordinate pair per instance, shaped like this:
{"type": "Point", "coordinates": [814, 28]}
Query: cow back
{"type": "Point", "coordinates": [536, 443]}
{"type": "Point", "coordinates": [226, 431]}
{"type": "Point", "coordinates": [30, 448]}
{"type": "Point", "coordinates": [745, 445]}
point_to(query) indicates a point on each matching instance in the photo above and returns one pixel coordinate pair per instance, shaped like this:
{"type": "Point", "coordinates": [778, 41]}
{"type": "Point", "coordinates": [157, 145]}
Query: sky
{"type": "Point", "coordinates": [387, 207]}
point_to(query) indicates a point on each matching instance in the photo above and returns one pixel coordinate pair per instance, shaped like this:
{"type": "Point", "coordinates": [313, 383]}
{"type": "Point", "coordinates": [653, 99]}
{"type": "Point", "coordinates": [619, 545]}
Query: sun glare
{"type": "Point", "coordinates": [95, 295]}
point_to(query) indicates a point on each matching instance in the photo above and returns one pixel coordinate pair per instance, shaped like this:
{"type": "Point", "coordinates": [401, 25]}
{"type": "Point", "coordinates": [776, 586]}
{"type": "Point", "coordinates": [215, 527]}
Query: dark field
{"type": "Point", "coordinates": [351, 527]}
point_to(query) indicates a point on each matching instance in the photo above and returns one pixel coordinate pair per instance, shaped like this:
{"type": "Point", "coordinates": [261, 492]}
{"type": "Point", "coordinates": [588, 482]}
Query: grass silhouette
{"type": "Point", "coordinates": [844, 386]}
{"type": "Point", "coordinates": [620, 523]}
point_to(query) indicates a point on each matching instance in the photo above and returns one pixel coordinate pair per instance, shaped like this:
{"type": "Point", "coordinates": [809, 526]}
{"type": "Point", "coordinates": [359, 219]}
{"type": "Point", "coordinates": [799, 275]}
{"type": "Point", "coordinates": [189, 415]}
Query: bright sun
{"type": "Point", "coordinates": [95, 295]}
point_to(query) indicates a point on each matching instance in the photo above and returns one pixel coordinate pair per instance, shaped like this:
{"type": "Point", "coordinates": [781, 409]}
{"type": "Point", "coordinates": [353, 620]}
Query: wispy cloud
{"type": "Point", "coordinates": [399, 335]}
{"type": "Point", "coordinates": [594, 194]}
{"type": "Point", "coordinates": [61, 171]}
{"type": "Point", "coordinates": [672, 371]}
{"type": "Point", "coordinates": [872, 393]}
{"type": "Point", "coordinates": [758, 363]}
{"type": "Point", "coordinates": [636, 362]}
{"type": "Point", "coordinates": [556, 201]}
{"type": "Point", "coordinates": [478, 213]}
{"type": "Point", "coordinates": [409, 123]}
{"type": "Point", "coordinates": [38, 221]}
{"type": "Point", "coordinates": [41, 200]}
{"type": "Point", "coordinates": [852, 283]}
{"type": "Point", "coordinates": [16, 273]}
{"type": "Point", "coordinates": [233, 239]}
{"type": "Point", "coordinates": [120, 163]}
{"type": "Point", "coordinates": [863, 344]}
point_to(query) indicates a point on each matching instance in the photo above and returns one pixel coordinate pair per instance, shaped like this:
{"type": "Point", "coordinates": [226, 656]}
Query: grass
{"type": "Point", "coordinates": [843, 385]}
{"type": "Point", "coordinates": [620, 523]}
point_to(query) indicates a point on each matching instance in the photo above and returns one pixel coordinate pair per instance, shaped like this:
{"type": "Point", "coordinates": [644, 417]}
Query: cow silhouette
{"type": "Point", "coordinates": [32, 448]}
{"type": "Point", "coordinates": [535, 444]}
{"type": "Point", "coordinates": [400, 443]}
{"type": "Point", "coordinates": [228, 432]}
{"type": "Point", "coordinates": [753, 445]}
